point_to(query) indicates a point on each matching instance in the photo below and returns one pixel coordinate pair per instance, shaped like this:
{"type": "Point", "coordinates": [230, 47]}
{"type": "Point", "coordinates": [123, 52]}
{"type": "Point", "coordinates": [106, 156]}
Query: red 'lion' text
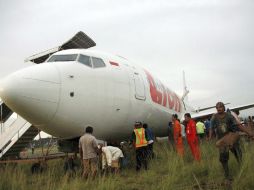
{"type": "Point", "coordinates": [162, 95]}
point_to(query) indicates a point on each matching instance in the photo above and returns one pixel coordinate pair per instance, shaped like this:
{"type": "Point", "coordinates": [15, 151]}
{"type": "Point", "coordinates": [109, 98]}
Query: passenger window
{"type": "Point", "coordinates": [97, 62]}
{"type": "Point", "coordinates": [85, 60]}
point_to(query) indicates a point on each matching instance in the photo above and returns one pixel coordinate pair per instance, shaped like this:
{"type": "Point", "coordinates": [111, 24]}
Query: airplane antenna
{"type": "Point", "coordinates": [185, 89]}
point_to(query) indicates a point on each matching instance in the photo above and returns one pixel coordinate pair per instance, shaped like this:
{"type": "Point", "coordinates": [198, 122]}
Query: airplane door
{"type": "Point", "coordinates": [139, 86]}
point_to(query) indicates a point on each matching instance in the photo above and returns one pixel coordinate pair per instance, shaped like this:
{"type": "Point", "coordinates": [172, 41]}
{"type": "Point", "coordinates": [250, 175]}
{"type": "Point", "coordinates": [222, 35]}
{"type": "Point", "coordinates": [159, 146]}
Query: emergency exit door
{"type": "Point", "coordinates": [139, 87]}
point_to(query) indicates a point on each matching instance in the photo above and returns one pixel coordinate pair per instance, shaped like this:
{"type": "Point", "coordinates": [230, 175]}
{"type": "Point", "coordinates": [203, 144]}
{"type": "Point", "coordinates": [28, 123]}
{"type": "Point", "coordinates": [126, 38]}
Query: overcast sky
{"type": "Point", "coordinates": [211, 40]}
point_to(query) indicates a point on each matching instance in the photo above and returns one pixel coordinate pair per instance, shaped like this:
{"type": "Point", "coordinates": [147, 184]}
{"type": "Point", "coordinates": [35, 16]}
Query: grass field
{"type": "Point", "coordinates": [166, 171]}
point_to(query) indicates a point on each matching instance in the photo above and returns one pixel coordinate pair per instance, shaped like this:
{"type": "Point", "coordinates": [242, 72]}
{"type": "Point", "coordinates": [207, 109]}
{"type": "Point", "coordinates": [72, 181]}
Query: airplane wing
{"type": "Point", "coordinates": [207, 108]}
{"type": "Point", "coordinates": [208, 114]}
{"type": "Point", "coordinates": [79, 40]}
{"type": "Point", "coordinates": [243, 107]}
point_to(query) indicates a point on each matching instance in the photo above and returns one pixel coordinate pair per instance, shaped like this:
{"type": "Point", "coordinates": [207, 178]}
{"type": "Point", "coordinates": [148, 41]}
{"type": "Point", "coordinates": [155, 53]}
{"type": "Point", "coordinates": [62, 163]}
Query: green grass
{"type": "Point", "coordinates": [166, 171]}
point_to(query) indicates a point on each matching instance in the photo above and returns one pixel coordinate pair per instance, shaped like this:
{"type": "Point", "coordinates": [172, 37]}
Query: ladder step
{"type": "Point", "coordinates": [22, 142]}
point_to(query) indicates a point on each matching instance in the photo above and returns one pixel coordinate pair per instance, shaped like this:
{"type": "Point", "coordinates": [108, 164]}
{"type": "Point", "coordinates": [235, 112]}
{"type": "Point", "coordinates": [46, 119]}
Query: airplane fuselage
{"type": "Point", "coordinates": [63, 97]}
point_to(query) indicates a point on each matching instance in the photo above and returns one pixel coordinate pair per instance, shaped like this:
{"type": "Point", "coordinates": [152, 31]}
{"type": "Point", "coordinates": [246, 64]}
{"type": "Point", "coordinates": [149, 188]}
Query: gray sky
{"type": "Point", "coordinates": [211, 40]}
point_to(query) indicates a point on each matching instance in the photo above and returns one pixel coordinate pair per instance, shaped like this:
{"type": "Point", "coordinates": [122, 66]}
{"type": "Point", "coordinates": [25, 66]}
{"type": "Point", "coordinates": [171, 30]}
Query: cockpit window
{"type": "Point", "coordinates": [68, 57]}
{"type": "Point", "coordinates": [85, 60]}
{"type": "Point", "coordinates": [97, 62]}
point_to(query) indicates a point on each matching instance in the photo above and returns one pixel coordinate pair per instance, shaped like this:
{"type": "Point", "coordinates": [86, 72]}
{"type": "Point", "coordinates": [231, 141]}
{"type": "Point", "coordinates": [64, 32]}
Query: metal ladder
{"type": "Point", "coordinates": [16, 133]}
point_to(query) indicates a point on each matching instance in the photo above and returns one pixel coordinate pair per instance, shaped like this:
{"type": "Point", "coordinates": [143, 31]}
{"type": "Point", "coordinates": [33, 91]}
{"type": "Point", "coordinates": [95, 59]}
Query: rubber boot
{"type": "Point", "coordinates": [226, 169]}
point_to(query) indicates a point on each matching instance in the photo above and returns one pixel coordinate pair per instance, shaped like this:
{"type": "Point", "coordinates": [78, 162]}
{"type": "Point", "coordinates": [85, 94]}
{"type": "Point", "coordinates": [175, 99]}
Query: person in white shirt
{"type": "Point", "coordinates": [110, 157]}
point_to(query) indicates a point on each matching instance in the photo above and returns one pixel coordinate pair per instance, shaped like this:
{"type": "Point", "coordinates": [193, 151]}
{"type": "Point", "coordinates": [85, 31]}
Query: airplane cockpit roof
{"type": "Point", "coordinates": [80, 43]}
{"type": "Point", "coordinates": [94, 53]}
{"type": "Point", "coordinates": [78, 56]}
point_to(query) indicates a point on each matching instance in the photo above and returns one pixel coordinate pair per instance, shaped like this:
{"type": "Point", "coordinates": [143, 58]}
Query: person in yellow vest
{"type": "Point", "coordinates": [139, 139]}
{"type": "Point", "coordinates": [200, 127]}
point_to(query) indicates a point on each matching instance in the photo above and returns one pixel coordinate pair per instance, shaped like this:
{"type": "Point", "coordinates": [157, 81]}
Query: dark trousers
{"type": "Point", "coordinates": [150, 153]}
{"type": "Point", "coordinates": [171, 138]}
{"type": "Point", "coordinates": [141, 157]}
{"type": "Point", "coordinates": [224, 156]}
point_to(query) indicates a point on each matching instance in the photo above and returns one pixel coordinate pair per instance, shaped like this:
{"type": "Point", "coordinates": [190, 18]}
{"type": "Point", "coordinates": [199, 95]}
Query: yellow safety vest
{"type": "Point", "coordinates": [140, 137]}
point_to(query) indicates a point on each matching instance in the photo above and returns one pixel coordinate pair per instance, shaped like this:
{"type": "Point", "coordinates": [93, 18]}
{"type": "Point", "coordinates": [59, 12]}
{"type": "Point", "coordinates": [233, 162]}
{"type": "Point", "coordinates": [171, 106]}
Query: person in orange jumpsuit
{"type": "Point", "coordinates": [191, 135]}
{"type": "Point", "coordinates": [177, 135]}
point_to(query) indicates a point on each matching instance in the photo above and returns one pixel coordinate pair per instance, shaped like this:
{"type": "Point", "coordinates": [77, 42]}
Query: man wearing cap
{"type": "Point", "coordinates": [88, 149]}
{"type": "Point", "coordinates": [139, 139]}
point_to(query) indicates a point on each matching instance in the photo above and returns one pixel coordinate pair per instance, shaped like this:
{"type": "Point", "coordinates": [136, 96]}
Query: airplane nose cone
{"type": "Point", "coordinates": [33, 92]}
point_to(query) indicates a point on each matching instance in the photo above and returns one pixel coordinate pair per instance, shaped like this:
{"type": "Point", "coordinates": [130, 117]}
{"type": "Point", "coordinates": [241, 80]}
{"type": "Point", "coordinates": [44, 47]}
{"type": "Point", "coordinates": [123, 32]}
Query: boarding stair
{"type": "Point", "coordinates": [5, 112]}
{"type": "Point", "coordinates": [16, 133]}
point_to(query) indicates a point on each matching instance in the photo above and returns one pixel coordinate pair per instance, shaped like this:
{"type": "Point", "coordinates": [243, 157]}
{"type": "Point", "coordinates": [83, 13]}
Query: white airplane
{"type": "Point", "coordinates": [76, 88]}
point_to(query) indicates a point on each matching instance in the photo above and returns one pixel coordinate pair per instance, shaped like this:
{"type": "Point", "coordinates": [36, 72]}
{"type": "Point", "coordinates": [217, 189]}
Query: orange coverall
{"type": "Point", "coordinates": [192, 139]}
{"type": "Point", "coordinates": [178, 138]}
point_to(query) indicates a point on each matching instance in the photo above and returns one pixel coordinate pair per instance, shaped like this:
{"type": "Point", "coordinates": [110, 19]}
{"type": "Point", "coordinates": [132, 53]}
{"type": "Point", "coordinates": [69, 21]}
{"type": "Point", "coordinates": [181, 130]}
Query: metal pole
{"type": "Point", "coordinates": [42, 150]}
{"type": "Point", "coordinates": [1, 118]}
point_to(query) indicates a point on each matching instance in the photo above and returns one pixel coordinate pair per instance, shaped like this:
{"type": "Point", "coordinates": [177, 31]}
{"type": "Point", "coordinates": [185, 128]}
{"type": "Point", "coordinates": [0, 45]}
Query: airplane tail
{"type": "Point", "coordinates": [185, 89]}
{"type": "Point", "coordinates": [185, 100]}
